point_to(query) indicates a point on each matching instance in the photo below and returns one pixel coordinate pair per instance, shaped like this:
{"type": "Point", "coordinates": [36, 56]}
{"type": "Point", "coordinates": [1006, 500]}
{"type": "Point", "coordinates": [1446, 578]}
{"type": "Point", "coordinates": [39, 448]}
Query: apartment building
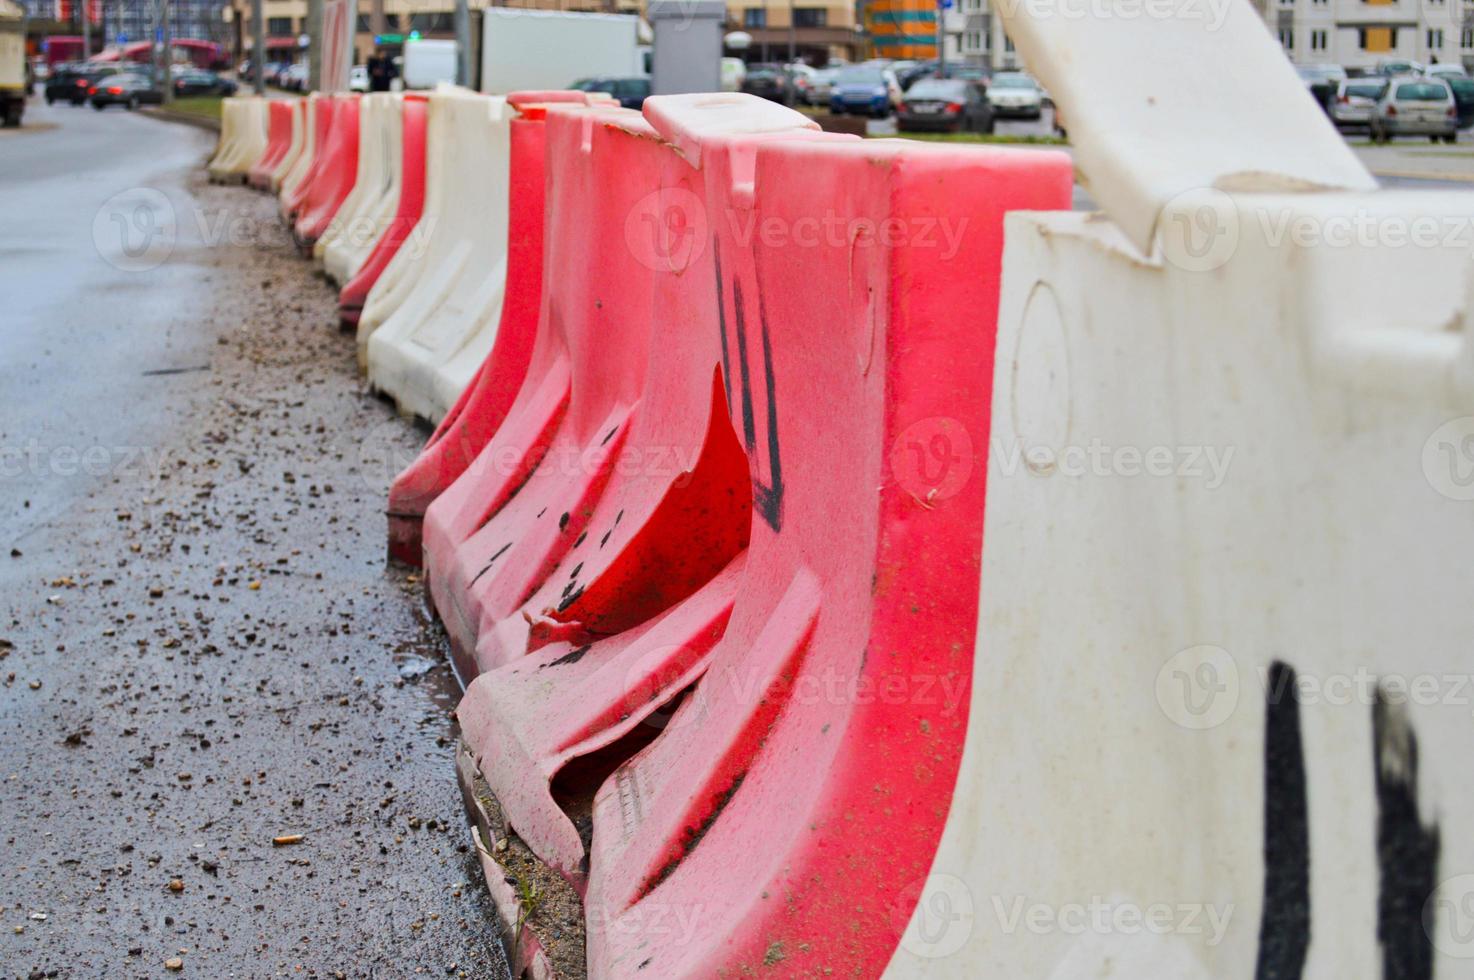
{"type": "Point", "coordinates": [1359, 33]}
{"type": "Point", "coordinates": [908, 29]}
{"type": "Point", "coordinates": [821, 31]}
{"type": "Point", "coordinates": [286, 21]}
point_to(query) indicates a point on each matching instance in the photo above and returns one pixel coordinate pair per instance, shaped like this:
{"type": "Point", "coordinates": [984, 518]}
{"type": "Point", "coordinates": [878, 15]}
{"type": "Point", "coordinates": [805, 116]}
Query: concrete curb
{"type": "Point", "coordinates": [188, 119]}
{"type": "Point", "coordinates": [526, 953]}
{"type": "Point", "coordinates": [1450, 175]}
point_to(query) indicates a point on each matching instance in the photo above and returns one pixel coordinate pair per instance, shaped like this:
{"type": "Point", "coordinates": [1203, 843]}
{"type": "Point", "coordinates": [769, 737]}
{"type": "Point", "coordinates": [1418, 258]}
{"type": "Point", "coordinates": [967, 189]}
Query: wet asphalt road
{"type": "Point", "coordinates": [201, 648]}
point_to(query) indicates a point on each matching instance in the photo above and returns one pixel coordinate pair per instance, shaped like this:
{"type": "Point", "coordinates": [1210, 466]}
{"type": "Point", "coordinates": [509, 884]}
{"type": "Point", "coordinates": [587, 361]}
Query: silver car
{"type": "Point", "coordinates": [1355, 100]}
{"type": "Point", "coordinates": [1015, 94]}
{"type": "Point", "coordinates": [1415, 106]}
{"type": "Point", "coordinates": [821, 83]}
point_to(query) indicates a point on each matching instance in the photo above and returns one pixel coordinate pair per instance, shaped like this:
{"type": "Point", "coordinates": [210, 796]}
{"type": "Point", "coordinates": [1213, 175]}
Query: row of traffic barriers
{"type": "Point", "coordinates": [727, 408]}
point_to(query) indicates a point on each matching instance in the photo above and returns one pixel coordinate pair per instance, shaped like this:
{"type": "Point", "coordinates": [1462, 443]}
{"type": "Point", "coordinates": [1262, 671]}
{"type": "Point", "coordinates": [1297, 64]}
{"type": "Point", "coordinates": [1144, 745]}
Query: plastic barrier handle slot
{"type": "Point", "coordinates": [1398, 361]}
{"type": "Point", "coordinates": [1150, 117]}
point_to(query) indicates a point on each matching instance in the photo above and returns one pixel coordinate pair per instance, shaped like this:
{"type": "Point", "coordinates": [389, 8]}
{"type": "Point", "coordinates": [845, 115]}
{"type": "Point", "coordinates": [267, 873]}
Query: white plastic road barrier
{"type": "Point", "coordinates": [299, 142]}
{"type": "Point", "coordinates": [445, 299]}
{"type": "Point", "coordinates": [1142, 90]}
{"type": "Point", "coordinates": [370, 206]}
{"type": "Point", "coordinates": [243, 135]}
{"type": "Point", "coordinates": [306, 152]}
{"type": "Point", "coordinates": [401, 275]}
{"type": "Point", "coordinates": [1221, 708]}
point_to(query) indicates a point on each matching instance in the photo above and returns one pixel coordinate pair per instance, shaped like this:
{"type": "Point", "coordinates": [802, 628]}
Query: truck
{"type": "Point", "coordinates": [428, 63]}
{"type": "Point", "coordinates": [14, 85]}
{"type": "Point", "coordinates": [549, 49]}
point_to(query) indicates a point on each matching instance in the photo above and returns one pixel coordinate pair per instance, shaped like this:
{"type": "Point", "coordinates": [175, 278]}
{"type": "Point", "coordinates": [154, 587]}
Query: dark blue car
{"type": "Point", "coordinates": [863, 90]}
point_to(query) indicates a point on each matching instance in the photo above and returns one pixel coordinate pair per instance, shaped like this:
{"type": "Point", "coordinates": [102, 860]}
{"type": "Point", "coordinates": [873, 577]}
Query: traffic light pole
{"type": "Point", "coordinates": [941, 39]}
{"type": "Point", "coordinates": [258, 47]}
{"type": "Point", "coordinates": [168, 82]}
{"type": "Point", "coordinates": [314, 50]}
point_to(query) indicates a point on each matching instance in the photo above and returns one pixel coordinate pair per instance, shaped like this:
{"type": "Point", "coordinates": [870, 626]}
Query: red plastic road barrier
{"type": "Point", "coordinates": [278, 142]}
{"type": "Point", "coordinates": [337, 175]}
{"type": "Point", "coordinates": [486, 549]}
{"type": "Point", "coordinates": [416, 109]}
{"type": "Point", "coordinates": [291, 202]}
{"type": "Point", "coordinates": [484, 404]}
{"type": "Point", "coordinates": [823, 314]}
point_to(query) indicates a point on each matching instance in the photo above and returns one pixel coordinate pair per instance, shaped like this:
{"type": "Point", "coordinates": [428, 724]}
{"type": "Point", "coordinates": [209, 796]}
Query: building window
{"type": "Point", "coordinates": [440, 22]}
{"type": "Point", "coordinates": [1317, 40]}
{"type": "Point", "coordinates": [1378, 40]}
{"type": "Point", "coordinates": [754, 17]}
{"type": "Point", "coordinates": [1287, 38]}
{"type": "Point", "coordinates": [972, 42]}
{"type": "Point", "coordinates": [1466, 40]}
{"type": "Point", "coordinates": [810, 17]}
{"type": "Point", "coordinates": [279, 26]}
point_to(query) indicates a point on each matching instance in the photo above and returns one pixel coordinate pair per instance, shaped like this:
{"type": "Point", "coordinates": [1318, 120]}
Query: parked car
{"type": "Point", "coordinates": [203, 83]}
{"type": "Point", "coordinates": [74, 83]}
{"type": "Point", "coordinates": [358, 80]}
{"type": "Point", "coordinates": [865, 90]}
{"type": "Point", "coordinates": [907, 72]}
{"type": "Point", "coordinates": [1446, 71]}
{"type": "Point", "coordinates": [1322, 81]}
{"type": "Point", "coordinates": [945, 105]}
{"type": "Point", "coordinates": [734, 70]}
{"type": "Point", "coordinates": [1354, 102]}
{"type": "Point", "coordinates": [821, 86]}
{"type": "Point", "coordinates": [768, 81]}
{"type": "Point", "coordinates": [1463, 90]}
{"type": "Point", "coordinates": [129, 91]}
{"type": "Point", "coordinates": [1415, 106]}
{"type": "Point", "coordinates": [1016, 94]}
{"type": "Point", "coordinates": [801, 77]}
{"type": "Point", "coordinates": [629, 92]}
{"type": "Point", "coordinates": [968, 73]}
{"type": "Point", "coordinates": [294, 78]}
{"type": "Point", "coordinates": [1398, 66]}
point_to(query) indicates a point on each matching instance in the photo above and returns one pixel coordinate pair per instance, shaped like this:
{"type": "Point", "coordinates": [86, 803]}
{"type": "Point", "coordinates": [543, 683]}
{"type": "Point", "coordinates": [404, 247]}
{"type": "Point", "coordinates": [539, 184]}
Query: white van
{"type": "Point", "coordinates": [427, 63]}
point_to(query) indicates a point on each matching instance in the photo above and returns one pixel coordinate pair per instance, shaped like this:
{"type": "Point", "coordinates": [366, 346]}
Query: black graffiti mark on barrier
{"type": "Point", "coordinates": [767, 497]}
{"type": "Point", "coordinates": [1407, 849]}
{"type": "Point", "coordinates": [716, 251]}
{"type": "Point", "coordinates": [491, 561]}
{"type": "Point", "coordinates": [1284, 928]}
